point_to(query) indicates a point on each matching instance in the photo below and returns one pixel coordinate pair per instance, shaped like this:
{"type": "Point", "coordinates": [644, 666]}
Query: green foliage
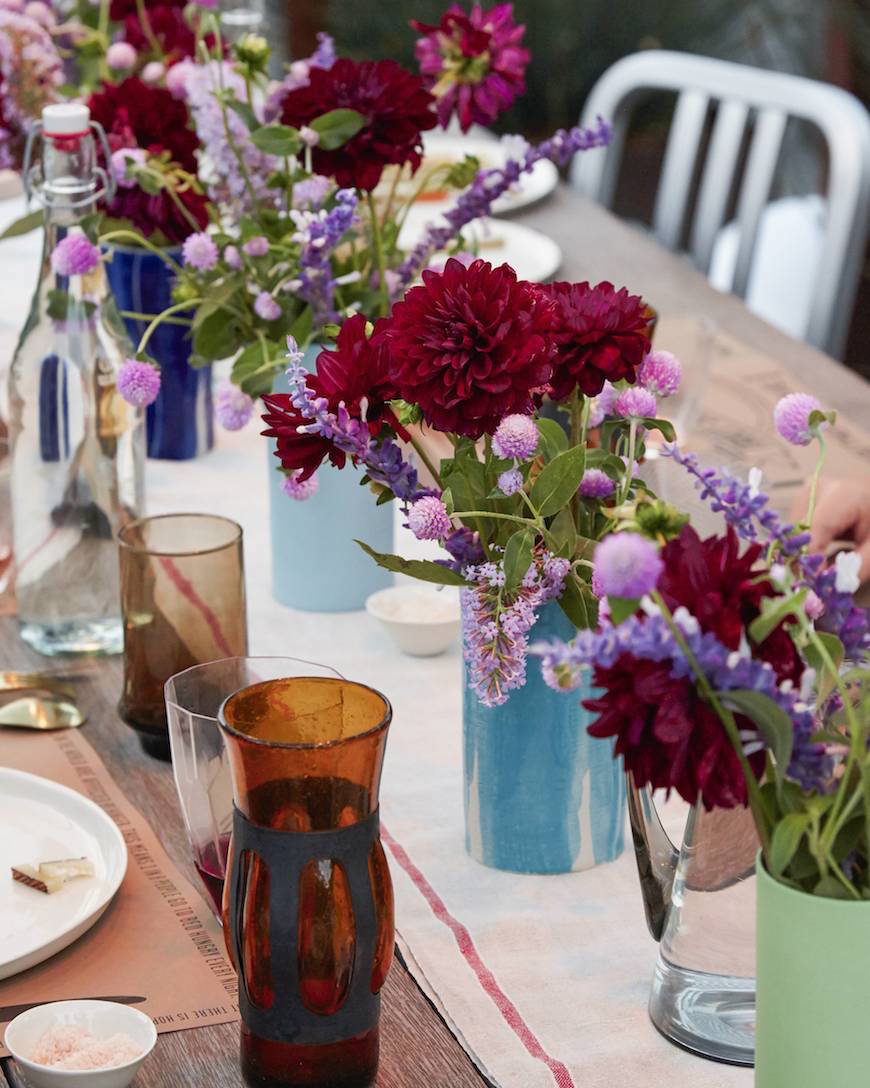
{"type": "Point", "coordinates": [336, 127]}
{"type": "Point", "coordinates": [281, 140]}
{"type": "Point", "coordinates": [422, 569]}
{"type": "Point", "coordinates": [558, 482]}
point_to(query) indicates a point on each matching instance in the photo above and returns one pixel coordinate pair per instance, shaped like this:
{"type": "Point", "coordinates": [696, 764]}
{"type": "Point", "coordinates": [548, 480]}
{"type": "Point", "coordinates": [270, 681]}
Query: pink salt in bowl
{"type": "Point", "coordinates": [46, 1033]}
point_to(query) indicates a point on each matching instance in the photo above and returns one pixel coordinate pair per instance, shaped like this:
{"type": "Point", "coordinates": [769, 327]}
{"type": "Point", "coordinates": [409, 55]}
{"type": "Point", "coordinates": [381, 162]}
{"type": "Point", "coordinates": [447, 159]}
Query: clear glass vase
{"type": "Point", "coordinates": [700, 907]}
{"type": "Point", "coordinates": [76, 447]}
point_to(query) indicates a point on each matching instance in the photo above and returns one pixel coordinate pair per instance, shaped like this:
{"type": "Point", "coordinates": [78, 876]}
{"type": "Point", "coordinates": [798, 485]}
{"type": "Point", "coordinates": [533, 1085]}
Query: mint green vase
{"type": "Point", "coordinates": [812, 989]}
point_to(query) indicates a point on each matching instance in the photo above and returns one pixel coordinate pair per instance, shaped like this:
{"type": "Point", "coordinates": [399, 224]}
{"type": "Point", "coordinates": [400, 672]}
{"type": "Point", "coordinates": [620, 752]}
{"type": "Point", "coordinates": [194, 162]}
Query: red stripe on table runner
{"type": "Point", "coordinates": [185, 588]}
{"type": "Point", "coordinates": [484, 976]}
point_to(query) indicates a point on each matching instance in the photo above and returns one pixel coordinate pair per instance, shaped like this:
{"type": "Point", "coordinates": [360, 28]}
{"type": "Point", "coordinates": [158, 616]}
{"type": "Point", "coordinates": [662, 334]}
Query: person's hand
{"type": "Point", "coordinates": [842, 513]}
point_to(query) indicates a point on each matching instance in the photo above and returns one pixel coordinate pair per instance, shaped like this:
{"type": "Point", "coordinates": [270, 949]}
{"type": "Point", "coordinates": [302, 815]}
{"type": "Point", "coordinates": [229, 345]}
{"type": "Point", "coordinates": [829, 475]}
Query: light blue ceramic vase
{"type": "Point", "coordinates": [316, 566]}
{"type": "Point", "coordinates": [541, 795]}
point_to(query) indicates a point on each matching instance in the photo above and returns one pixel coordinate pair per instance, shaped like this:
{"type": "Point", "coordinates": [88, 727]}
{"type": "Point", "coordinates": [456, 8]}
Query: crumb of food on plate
{"type": "Point", "coordinates": [26, 874]}
{"type": "Point", "coordinates": [67, 1046]}
{"type": "Point", "coordinates": [67, 868]}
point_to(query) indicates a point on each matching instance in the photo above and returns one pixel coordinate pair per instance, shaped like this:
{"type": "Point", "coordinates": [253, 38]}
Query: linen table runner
{"type": "Point", "coordinates": [157, 939]}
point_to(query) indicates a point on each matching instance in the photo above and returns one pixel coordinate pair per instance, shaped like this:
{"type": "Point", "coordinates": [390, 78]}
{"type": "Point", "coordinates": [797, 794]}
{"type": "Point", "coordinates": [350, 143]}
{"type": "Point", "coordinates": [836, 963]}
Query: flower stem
{"type": "Point", "coordinates": [134, 315]}
{"type": "Point", "coordinates": [632, 440]}
{"type": "Point", "coordinates": [499, 517]}
{"type": "Point", "coordinates": [378, 241]}
{"type": "Point", "coordinates": [148, 30]}
{"type": "Point", "coordinates": [814, 483]}
{"type": "Point", "coordinates": [146, 336]}
{"type": "Point", "coordinates": [427, 461]}
{"type": "Point", "coordinates": [132, 236]}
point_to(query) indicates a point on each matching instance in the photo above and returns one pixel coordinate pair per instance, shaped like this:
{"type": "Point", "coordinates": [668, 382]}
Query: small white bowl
{"type": "Point", "coordinates": [421, 620]}
{"type": "Point", "coordinates": [102, 1019]}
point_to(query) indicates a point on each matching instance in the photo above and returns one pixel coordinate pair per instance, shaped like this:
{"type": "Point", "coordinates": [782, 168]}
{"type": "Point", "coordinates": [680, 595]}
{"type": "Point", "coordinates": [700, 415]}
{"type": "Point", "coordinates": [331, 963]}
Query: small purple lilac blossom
{"type": "Point", "coordinates": [428, 519]}
{"type": "Point", "coordinates": [74, 255]}
{"type": "Point", "coordinates": [318, 233]}
{"type": "Point", "coordinates": [138, 382]}
{"type": "Point", "coordinates": [200, 252]}
{"type": "Point", "coordinates": [496, 623]}
{"type": "Point", "coordinates": [627, 565]}
{"type": "Point", "coordinates": [596, 484]}
{"type": "Point", "coordinates": [649, 638]}
{"type": "Point", "coordinates": [792, 417]}
{"type": "Point", "coordinates": [516, 437]}
{"type": "Point", "coordinates": [232, 407]}
{"type": "Point", "coordinates": [660, 373]}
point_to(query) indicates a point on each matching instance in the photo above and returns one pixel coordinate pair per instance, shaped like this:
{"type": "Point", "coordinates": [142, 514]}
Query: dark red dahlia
{"type": "Point", "coordinates": [470, 346]}
{"type": "Point", "coordinates": [601, 334]}
{"type": "Point", "coordinates": [474, 63]}
{"type": "Point", "coordinates": [396, 106]}
{"type": "Point", "coordinates": [120, 9]}
{"type": "Point", "coordinates": [135, 114]}
{"type": "Point", "coordinates": [168, 26]}
{"type": "Point", "coordinates": [357, 370]}
{"type": "Point", "coordinates": [667, 735]}
{"type": "Point", "coordinates": [158, 214]}
{"type": "Point", "coordinates": [723, 591]}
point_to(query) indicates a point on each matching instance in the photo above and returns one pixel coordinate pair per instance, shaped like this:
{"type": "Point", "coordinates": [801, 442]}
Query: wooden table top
{"type": "Point", "coordinates": [418, 1050]}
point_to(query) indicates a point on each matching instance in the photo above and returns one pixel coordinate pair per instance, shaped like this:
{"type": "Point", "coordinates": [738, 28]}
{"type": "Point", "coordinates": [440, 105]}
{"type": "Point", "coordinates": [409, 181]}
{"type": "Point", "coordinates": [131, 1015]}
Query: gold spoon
{"type": "Point", "coordinates": [33, 712]}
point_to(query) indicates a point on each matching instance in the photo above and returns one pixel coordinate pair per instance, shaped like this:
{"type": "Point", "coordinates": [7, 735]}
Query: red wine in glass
{"type": "Point", "coordinates": [211, 864]}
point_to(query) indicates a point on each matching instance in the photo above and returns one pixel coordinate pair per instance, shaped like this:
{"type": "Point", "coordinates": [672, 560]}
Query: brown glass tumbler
{"type": "Point", "coordinates": [183, 603]}
{"type": "Point", "coordinates": [308, 901]}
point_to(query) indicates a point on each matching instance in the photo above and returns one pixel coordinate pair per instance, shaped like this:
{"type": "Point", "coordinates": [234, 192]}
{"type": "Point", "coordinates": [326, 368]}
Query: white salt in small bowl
{"type": "Point", "coordinates": [421, 620]}
{"type": "Point", "coordinates": [102, 1019]}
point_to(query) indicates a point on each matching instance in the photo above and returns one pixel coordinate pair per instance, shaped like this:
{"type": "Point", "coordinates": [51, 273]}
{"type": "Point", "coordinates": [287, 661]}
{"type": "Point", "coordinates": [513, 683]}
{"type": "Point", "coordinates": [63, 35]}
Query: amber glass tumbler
{"type": "Point", "coordinates": [183, 603]}
{"type": "Point", "coordinates": [308, 901]}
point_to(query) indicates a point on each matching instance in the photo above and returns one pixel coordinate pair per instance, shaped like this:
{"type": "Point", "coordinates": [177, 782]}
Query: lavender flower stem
{"type": "Point", "coordinates": [378, 240]}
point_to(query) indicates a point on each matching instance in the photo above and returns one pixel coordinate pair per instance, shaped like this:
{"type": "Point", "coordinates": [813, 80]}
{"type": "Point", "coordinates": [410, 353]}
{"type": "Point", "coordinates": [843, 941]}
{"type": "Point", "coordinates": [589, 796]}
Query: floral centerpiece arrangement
{"type": "Point", "coordinates": [740, 675]}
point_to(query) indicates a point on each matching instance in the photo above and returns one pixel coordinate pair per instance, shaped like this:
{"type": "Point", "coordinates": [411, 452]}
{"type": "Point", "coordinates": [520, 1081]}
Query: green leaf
{"type": "Point", "coordinates": [621, 608]}
{"type": "Point", "coordinates": [663, 425]}
{"type": "Point", "coordinates": [554, 440]}
{"type": "Point", "coordinates": [252, 373]}
{"type": "Point", "coordinates": [563, 533]}
{"type": "Point", "coordinates": [558, 482]}
{"type": "Point", "coordinates": [278, 140]}
{"type": "Point", "coordinates": [517, 557]}
{"type": "Point", "coordinates": [787, 835]}
{"type": "Point", "coordinates": [24, 225]}
{"type": "Point", "coordinates": [579, 604]}
{"type": "Point", "coordinates": [462, 174]}
{"type": "Point", "coordinates": [302, 327]}
{"type": "Point", "coordinates": [215, 338]}
{"type": "Point", "coordinates": [773, 723]}
{"type": "Point", "coordinates": [773, 611]}
{"type": "Point", "coordinates": [245, 112]}
{"type": "Point", "coordinates": [447, 499]}
{"type": "Point", "coordinates": [836, 651]}
{"type": "Point", "coordinates": [337, 127]}
{"type": "Point", "coordinates": [423, 569]}
{"type": "Point", "coordinates": [385, 496]}
{"type": "Point", "coordinates": [830, 888]}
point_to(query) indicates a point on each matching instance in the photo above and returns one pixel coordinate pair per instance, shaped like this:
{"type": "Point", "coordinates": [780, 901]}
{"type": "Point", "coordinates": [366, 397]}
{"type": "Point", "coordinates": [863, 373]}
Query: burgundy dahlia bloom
{"type": "Point", "coordinates": [601, 334]}
{"type": "Point", "coordinates": [667, 735]}
{"type": "Point", "coordinates": [471, 346]}
{"type": "Point", "coordinates": [474, 64]}
{"type": "Point", "coordinates": [357, 370]}
{"type": "Point", "coordinates": [723, 591]}
{"type": "Point", "coordinates": [394, 102]}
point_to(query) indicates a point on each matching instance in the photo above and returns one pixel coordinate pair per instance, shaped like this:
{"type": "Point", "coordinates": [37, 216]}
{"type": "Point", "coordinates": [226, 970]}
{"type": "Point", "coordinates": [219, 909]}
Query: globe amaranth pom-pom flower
{"type": "Point", "coordinates": [473, 63]}
{"type": "Point", "coordinates": [511, 482]}
{"type": "Point", "coordinates": [138, 382]}
{"type": "Point", "coordinates": [232, 407]}
{"type": "Point", "coordinates": [596, 484]}
{"type": "Point", "coordinates": [660, 373]}
{"type": "Point", "coordinates": [200, 252]}
{"type": "Point", "coordinates": [626, 565]}
{"type": "Point", "coordinates": [792, 417]}
{"type": "Point", "coordinates": [428, 519]}
{"type": "Point", "coordinates": [516, 437]}
{"type": "Point", "coordinates": [294, 487]}
{"type": "Point", "coordinates": [635, 402]}
{"type": "Point", "coordinates": [601, 334]}
{"type": "Point", "coordinates": [266, 307]}
{"type": "Point", "coordinates": [75, 255]}
{"type": "Point", "coordinates": [471, 346]}
{"type": "Point", "coordinates": [396, 107]}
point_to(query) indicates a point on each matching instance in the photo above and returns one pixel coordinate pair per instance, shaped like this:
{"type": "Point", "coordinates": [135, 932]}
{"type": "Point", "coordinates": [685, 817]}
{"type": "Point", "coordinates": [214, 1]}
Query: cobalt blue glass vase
{"type": "Point", "coordinates": [541, 795]}
{"type": "Point", "coordinates": [180, 423]}
{"type": "Point", "coordinates": [317, 566]}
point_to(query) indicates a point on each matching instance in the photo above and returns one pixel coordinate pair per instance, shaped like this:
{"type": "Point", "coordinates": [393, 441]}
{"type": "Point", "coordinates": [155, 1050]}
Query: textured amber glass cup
{"type": "Point", "coordinates": [183, 603]}
{"type": "Point", "coordinates": [308, 914]}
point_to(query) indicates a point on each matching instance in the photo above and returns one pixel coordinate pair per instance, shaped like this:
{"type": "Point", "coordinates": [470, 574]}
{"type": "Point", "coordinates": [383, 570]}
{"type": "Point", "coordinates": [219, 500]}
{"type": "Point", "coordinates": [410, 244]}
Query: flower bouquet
{"type": "Point", "coordinates": [518, 503]}
{"type": "Point", "coordinates": [742, 678]}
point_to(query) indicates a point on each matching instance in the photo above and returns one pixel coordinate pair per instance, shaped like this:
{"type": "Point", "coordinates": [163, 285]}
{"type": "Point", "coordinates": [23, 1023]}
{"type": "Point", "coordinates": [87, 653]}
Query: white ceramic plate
{"type": "Point", "coordinates": [42, 821]}
{"type": "Point", "coordinates": [540, 181]}
{"type": "Point", "coordinates": [535, 256]}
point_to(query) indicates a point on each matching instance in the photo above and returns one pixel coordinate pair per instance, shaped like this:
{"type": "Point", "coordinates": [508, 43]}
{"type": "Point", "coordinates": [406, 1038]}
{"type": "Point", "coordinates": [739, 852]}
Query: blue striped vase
{"type": "Point", "coordinates": [541, 795]}
{"type": "Point", "coordinates": [180, 423]}
{"type": "Point", "coordinates": [317, 566]}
